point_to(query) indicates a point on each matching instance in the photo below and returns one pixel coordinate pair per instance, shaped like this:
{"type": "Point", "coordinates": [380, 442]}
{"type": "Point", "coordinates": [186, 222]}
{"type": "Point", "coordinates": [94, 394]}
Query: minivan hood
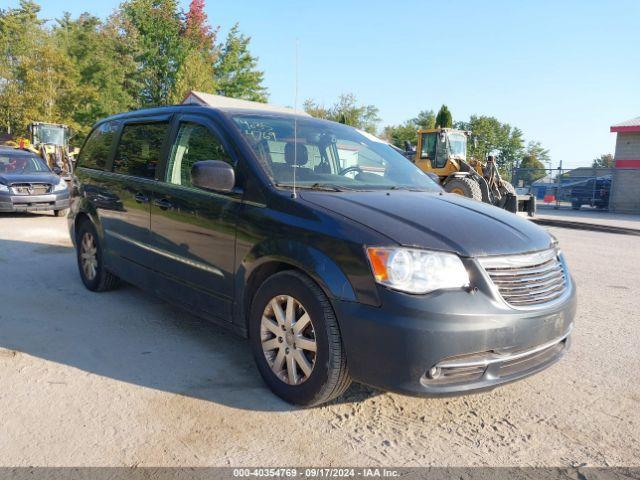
{"type": "Point", "coordinates": [43, 177]}
{"type": "Point", "coordinates": [437, 221]}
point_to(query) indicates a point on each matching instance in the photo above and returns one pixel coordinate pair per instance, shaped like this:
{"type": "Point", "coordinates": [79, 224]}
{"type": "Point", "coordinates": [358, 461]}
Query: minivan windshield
{"type": "Point", "coordinates": [327, 155]}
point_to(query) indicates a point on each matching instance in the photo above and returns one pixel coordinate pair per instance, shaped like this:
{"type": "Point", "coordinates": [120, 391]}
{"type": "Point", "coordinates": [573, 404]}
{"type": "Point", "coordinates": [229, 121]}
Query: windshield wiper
{"type": "Point", "coordinates": [408, 189]}
{"type": "Point", "coordinates": [316, 186]}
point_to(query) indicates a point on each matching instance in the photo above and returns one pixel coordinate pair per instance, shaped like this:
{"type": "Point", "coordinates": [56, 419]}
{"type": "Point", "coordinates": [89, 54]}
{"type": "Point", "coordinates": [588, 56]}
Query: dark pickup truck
{"type": "Point", "coordinates": [593, 192]}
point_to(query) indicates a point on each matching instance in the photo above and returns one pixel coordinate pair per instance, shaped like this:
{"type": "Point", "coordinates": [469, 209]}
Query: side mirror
{"type": "Point", "coordinates": [213, 175]}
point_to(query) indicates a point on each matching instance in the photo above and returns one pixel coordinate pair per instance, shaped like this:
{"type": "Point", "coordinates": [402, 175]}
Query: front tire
{"type": "Point", "coordinates": [61, 213]}
{"type": "Point", "coordinates": [91, 260]}
{"type": "Point", "coordinates": [296, 340]}
{"type": "Point", "coordinates": [465, 186]}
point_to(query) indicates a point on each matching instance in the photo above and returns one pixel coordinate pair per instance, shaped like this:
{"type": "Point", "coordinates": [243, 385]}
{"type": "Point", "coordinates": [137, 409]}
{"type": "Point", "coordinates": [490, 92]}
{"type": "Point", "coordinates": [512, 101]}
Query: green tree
{"type": "Point", "coordinates": [103, 65]}
{"type": "Point", "coordinates": [490, 136]}
{"type": "Point", "coordinates": [346, 110]}
{"type": "Point", "coordinates": [537, 151]}
{"type": "Point", "coordinates": [20, 34]}
{"type": "Point", "coordinates": [156, 27]}
{"type": "Point", "coordinates": [49, 82]}
{"type": "Point", "coordinates": [236, 72]}
{"type": "Point", "coordinates": [444, 118]}
{"type": "Point", "coordinates": [315, 109]}
{"type": "Point", "coordinates": [398, 135]}
{"type": "Point", "coordinates": [604, 161]}
{"type": "Point", "coordinates": [531, 169]}
{"type": "Point", "coordinates": [425, 120]}
{"type": "Point", "coordinates": [197, 70]}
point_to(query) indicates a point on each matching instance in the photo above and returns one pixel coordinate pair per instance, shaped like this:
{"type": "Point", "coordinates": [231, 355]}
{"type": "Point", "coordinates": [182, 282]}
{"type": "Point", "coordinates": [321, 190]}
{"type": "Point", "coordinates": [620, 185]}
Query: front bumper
{"type": "Point", "coordinates": [468, 341]}
{"type": "Point", "coordinates": [33, 203]}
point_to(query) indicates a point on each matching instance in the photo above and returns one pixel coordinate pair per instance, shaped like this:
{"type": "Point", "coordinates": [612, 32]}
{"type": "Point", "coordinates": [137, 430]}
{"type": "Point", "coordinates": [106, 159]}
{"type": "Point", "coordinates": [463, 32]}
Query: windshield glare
{"type": "Point", "coordinates": [328, 154]}
{"type": "Point", "coordinates": [22, 164]}
{"type": "Point", "coordinates": [458, 145]}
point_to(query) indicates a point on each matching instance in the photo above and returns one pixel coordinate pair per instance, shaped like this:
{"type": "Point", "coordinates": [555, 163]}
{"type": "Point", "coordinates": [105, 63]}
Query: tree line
{"type": "Point", "coordinates": [150, 52]}
{"type": "Point", "coordinates": [147, 53]}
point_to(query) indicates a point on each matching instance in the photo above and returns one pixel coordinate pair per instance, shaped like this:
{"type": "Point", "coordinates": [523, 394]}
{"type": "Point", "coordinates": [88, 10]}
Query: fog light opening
{"type": "Point", "coordinates": [434, 373]}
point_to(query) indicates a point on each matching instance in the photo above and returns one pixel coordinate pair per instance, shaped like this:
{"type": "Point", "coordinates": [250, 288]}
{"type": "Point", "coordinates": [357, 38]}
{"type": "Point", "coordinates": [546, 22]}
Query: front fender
{"type": "Point", "coordinates": [304, 257]}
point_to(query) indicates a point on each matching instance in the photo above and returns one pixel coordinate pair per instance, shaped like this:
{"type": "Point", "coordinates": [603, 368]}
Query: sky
{"type": "Point", "coordinates": [562, 71]}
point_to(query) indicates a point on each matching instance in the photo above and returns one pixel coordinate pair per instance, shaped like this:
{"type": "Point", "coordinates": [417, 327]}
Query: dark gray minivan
{"type": "Point", "coordinates": [334, 254]}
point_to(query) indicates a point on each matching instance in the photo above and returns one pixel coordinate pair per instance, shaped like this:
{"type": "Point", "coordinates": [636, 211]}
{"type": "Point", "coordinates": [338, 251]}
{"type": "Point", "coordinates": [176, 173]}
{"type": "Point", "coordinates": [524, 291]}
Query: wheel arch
{"type": "Point", "coordinates": [84, 215]}
{"type": "Point", "coordinates": [275, 256]}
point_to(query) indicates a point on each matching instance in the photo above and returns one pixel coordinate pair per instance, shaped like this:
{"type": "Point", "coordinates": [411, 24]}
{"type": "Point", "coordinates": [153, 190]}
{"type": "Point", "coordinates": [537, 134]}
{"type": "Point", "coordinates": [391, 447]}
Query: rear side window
{"type": "Point", "coordinates": [194, 143]}
{"type": "Point", "coordinates": [138, 152]}
{"type": "Point", "coordinates": [96, 149]}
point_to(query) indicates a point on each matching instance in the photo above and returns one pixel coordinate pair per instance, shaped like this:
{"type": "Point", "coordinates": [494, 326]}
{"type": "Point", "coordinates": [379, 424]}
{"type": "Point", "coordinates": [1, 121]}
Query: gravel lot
{"type": "Point", "coordinates": [123, 379]}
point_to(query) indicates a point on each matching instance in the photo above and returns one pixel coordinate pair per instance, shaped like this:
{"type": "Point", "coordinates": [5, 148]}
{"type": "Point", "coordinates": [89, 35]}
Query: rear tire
{"type": "Point", "coordinates": [90, 258]}
{"type": "Point", "coordinates": [464, 186]}
{"type": "Point", "coordinates": [305, 367]}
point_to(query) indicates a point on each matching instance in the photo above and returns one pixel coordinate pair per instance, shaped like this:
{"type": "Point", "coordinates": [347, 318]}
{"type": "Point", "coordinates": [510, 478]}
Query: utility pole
{"type": "Point", "coordinates": [558, 179]}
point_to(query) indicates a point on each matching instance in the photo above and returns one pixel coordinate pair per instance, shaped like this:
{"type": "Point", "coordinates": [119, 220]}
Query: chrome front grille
{"type": "Point", "coordinates": [527, 280]}
{"type": "Point", "coordinates": [30, 188]}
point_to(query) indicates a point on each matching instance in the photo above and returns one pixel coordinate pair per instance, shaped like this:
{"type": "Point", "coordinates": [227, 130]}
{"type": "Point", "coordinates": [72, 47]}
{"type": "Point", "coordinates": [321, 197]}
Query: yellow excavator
{"type": "Point", "coordinates": [442, 153]}
{"type": "Point", "coordinates": [51, 142]}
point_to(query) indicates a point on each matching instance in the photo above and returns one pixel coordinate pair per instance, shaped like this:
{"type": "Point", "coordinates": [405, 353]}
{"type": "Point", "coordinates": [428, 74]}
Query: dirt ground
{"type": "Point", "coordinates": [122, 379]}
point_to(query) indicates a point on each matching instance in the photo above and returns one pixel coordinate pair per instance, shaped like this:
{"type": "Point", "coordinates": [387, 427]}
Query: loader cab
{"type": "Point", "coordinates": [48, 134]}
{"type": "Point", "coordinates": [438, 147]}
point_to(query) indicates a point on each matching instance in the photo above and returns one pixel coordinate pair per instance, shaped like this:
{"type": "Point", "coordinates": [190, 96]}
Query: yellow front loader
{"type": "Point", "coordinates": [442, 153]}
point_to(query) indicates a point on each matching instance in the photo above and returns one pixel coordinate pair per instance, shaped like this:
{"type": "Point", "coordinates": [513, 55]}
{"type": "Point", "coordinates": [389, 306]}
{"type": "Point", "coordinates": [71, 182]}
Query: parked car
{"type": "Point", "coordinates": [334, 254]}
{"type": "Point", "coordinates": [593, 192]}
{"type": "Point", "coordinates": [27, 184]}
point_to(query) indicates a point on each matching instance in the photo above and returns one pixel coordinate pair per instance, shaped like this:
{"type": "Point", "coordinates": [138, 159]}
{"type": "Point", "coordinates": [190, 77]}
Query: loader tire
{"type": "Point", "coordinates": [506, 190]}
{"type": "Point", "coordinates": [464, 186]}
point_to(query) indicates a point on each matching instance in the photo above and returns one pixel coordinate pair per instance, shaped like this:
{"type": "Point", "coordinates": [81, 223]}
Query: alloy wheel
{"type": "Point", "coordinates": [89, 256]}
{"type": "Point", "coordinates": [288, 339]}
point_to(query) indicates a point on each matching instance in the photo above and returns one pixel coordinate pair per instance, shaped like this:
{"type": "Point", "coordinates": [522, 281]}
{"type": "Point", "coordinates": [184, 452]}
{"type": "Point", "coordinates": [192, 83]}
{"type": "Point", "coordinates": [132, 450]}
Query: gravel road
{"type": "Point", "coordinates": [123, 379]}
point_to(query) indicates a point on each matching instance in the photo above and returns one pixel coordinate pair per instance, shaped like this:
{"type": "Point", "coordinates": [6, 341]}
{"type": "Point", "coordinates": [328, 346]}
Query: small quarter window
{"type": "Point", "coordinates": [139, 150]}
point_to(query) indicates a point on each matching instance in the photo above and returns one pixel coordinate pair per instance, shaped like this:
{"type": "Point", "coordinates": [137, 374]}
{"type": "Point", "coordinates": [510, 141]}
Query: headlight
{"type": "Point", "coordinates": [3, 188]}
{"type": "Point", "coordinates": [60, 186]}
{"type": "Point", "coordinates": [416, 271]}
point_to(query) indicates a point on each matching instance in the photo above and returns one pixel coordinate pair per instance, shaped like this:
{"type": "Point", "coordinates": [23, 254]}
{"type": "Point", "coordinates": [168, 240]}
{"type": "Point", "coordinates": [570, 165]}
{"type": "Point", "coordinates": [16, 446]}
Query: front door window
{"type": "Point", "coordinates": [194, 143]}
